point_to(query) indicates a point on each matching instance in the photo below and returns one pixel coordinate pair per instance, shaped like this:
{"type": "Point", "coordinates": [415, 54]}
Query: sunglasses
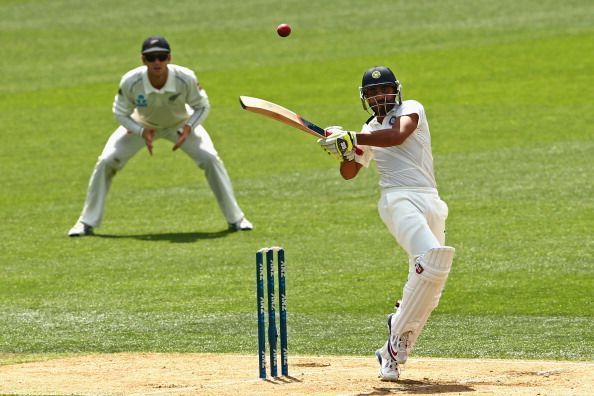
{"type": "Point", "coordinates": [154, 57]}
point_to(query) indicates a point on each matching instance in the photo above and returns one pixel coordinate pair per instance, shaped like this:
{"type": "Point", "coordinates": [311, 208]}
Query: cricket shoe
{"type": "Point", "coordinates": [241, 225]}
{"type": "Point", "coordinates": [80, 229]}
{"type": "Point", "coordinates": [397, 346]}
{"type": "Point", "coordinates": [389, 370]}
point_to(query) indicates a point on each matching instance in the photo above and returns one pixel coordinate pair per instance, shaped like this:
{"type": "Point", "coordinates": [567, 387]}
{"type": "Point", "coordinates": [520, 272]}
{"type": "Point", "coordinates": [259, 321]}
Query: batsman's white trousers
{"type": "Point", "coordinates": [123, 145]}
{"type": "Point", "coordinates": [415, 217]}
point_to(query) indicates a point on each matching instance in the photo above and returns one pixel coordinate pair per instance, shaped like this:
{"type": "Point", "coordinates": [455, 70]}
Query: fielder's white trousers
{"type": "Point", "coordinates": [123, 145]}
{"type": "Point", "coordinates": [415, 217]}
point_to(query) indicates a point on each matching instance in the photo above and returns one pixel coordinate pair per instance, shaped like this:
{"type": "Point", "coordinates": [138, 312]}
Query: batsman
{"type": "Point", "coordinates": [397, 137]}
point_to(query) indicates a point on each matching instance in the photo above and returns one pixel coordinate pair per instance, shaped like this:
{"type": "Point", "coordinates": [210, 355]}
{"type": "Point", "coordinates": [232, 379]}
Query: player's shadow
{"type": "Point", "coordinates": [411, 387]}
{"type": "Point", "coordinates": [173, 237]}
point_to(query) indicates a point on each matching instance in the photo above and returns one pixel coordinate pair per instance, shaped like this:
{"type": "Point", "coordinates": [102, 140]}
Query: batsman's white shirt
{"type": "Point", "coordinates": [409, 164]}
{"type": "Point", "coordinates": [181, 100]}
{"type": "Point", "coordinates": [409, 205]}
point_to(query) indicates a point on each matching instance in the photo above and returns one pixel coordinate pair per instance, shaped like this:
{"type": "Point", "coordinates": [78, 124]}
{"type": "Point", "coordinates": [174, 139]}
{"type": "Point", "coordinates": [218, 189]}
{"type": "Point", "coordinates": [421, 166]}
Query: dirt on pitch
{"type": "Point", "coordinates": [209, 374]}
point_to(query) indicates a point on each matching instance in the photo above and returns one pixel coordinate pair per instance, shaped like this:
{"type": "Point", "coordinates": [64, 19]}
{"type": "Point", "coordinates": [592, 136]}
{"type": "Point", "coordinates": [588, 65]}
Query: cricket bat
{"type": "Point", "coordinates": [279, 113]}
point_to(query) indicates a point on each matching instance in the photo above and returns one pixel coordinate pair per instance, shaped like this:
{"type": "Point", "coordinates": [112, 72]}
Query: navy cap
{"type": "Point", "coordinates": [155, 44]}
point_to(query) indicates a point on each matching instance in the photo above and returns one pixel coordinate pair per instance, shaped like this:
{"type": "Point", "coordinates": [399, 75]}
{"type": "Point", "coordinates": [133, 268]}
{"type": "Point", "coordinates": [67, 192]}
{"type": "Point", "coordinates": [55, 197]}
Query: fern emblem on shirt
{"type": "Point", "coordinates": [141, 101]}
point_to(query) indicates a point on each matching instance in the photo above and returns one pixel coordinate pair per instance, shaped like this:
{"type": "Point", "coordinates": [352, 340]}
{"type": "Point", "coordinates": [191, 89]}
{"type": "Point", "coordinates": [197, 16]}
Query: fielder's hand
{"type": "Point", "coordinates": [340, 143]}
{"type": "Point", "coordinates": [148, 134]}
{"type": "Point", "coordinates": [183, 134]}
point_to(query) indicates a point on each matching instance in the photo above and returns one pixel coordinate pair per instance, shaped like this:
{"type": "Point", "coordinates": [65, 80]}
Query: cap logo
{"type": "Point", "coordinates": [154, 41]}
{"type": "Point", "coordinates": [376, 74]}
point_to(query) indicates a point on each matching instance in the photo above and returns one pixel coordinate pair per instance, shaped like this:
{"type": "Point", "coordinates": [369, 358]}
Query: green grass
{"type": "Point", "coordinates": [507, 89]}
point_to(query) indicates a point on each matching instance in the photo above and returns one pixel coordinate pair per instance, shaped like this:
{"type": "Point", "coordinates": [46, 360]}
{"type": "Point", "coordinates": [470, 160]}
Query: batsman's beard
{"type": "Point", "coordinates": [382, 104]}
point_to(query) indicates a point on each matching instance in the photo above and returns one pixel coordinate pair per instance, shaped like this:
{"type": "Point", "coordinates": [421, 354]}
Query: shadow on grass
{"type": "Point", "coordinates": [173, 237]}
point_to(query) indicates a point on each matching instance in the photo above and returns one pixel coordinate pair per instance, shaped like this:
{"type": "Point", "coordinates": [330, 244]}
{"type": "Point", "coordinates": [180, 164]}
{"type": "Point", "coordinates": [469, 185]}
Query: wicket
{"type": "Point", "coordinates": [272, 331]}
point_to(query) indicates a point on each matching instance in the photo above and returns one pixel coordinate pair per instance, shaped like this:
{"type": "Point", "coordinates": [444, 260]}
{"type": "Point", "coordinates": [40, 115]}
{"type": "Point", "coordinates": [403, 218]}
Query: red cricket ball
{"type": "Point", "coordinates": [283, 30]}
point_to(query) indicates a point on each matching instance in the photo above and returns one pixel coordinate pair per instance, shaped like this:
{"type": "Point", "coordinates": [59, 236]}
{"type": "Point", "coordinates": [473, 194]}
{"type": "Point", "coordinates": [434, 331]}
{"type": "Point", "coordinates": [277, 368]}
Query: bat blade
{"type": "Point", "coordinates": [279, 113]}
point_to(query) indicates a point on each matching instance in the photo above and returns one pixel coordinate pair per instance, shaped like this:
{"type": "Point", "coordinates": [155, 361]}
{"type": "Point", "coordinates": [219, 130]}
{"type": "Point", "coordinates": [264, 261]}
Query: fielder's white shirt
{"type": "Point", "coordinates": [181, 100]}
{"type": "Point", "coordinates": [409, 164]}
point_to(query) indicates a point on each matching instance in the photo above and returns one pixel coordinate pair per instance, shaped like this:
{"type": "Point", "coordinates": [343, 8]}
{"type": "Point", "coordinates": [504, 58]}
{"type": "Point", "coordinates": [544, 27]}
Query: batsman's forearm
{"type": "Point", "coordinates": [381, 138]}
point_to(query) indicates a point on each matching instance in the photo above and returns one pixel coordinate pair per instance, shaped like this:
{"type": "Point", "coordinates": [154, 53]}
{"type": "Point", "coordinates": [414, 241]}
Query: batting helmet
{"type": "Point", "coordinates": [379, 75]}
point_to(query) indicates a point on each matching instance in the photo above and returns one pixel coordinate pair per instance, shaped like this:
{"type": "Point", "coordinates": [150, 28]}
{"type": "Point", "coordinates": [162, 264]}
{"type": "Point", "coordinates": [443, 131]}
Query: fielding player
{"type": "Point", "coordinates": [158, 100]}
{"type": "Point", "coordinates": [397, 137]}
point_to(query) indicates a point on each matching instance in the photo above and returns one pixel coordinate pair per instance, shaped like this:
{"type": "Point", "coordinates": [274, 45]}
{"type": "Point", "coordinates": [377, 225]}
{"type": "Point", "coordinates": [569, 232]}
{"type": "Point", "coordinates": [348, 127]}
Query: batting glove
{"type": "Point", "coordinates": [333, 129]}
{"type": "Point", "coordinates": [342, 143]}
{"type": "Point", "coordinates": [331, 149]}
